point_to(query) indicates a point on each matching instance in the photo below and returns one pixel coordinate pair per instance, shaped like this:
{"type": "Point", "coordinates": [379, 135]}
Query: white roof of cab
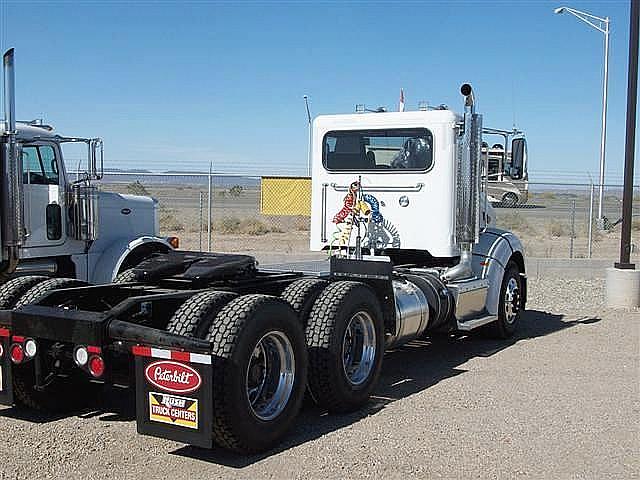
{"type": "Point", "coordinates": [358, 121]}
{"type": "Point", "coordinates": [28, 132]}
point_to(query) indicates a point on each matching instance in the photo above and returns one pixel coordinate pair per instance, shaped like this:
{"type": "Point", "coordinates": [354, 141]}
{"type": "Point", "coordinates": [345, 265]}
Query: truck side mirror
{"type": "Point", "coordinates": [518, 158]}
{"type": "Point", "coordinates": [96, 158]}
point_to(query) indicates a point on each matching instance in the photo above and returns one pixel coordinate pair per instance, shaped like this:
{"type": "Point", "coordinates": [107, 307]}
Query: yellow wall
{"type": "Point", "coordinates": [285, 196]}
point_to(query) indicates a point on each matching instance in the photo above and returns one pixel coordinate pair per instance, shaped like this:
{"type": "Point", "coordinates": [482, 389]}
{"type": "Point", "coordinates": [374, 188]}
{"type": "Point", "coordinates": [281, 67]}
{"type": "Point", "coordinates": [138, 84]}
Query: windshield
{"type": "Point", "coordinates": [389, 149]}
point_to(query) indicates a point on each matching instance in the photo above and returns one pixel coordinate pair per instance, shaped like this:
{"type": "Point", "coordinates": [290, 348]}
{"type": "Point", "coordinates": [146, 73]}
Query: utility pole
{"type": "Point", "coordinates": [629, 156]}
{"type": "Point", "coordinates": [622, 285]}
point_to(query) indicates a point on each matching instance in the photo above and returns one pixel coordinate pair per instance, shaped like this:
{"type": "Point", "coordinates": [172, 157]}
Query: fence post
{"type": "Point", "coordinates": [201, 202]}
{"type": "Point", "coordinates": [209, 200]}
{"type": "Point", "coordinates": [573, 230]}
{"type": "Point", "coordinates": [590, 227]}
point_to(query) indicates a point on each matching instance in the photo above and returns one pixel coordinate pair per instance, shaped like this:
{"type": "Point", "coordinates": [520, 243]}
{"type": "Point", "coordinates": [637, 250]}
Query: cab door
{"type": "Point", "coordinates": [43, 199]}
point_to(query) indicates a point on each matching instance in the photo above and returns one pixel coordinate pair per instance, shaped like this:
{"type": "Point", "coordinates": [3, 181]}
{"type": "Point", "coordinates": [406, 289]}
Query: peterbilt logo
{"type": "Point", "coordinates": [173, 376]}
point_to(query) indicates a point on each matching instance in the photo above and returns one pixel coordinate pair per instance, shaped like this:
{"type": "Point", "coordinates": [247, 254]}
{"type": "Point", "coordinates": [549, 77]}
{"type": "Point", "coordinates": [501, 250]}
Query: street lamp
{"type": "Point", "coordinates": [602, 25]}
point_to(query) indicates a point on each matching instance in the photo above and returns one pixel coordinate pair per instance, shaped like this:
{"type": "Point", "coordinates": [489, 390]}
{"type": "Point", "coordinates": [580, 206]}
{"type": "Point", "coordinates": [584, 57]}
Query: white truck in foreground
{"type": "Point", "coordinates": [56, 227]}
{"type": "Point", "coordinates": [224, 351]}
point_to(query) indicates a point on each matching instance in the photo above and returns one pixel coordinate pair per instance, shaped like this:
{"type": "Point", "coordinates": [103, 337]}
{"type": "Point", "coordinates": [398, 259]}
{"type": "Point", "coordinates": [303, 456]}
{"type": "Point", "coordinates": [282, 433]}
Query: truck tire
{"type": "Point", "coordinates": [302, 294]}
{"type": "Point", "coordinates": [259, 372]}
{"type": "Point", "coordinates": [15, 288]}
{"type": "Point", "coordinates": [41, 289]}
{"type": "Point", "coordinates": [63, 394]}
{"type": "Point", "coordinates": [509, 200]}
{"type": "Point", "coordinates": [126, 276]}
{"type": "Point", "coordinates": [509, 304]}
{"type": "Point", "coordinates": [345, 341]}
{"type": "Point", "coordinates": [194, 317]}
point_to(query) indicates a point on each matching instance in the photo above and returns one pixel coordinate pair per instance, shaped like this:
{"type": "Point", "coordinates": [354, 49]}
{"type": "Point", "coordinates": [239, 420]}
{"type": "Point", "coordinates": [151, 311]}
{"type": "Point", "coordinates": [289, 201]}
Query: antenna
{"type": "Point", "coordinates": [306, 104]}
{"type": "Point", "coordinates": [513, 101]}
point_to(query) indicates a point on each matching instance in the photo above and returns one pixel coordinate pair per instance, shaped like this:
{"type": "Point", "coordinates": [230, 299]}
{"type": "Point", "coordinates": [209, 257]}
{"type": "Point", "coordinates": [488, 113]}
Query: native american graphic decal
{"type": "Point", "coordinates": [363, 210]}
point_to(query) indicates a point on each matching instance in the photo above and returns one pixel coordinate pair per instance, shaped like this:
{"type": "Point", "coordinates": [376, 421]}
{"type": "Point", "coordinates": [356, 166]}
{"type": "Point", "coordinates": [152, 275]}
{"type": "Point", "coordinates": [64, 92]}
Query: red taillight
{"type": "Point", "coordinates": [16, 352]}
{"type": "Point", "coordinates": [96, 366]}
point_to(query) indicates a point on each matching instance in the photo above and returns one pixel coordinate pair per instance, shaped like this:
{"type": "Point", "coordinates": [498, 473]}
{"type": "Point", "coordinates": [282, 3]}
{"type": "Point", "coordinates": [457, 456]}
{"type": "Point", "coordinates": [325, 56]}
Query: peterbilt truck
{"type": "Point", "coordinates": [221, 352]}
{"type": "Point", "coordinates": [59, 228]}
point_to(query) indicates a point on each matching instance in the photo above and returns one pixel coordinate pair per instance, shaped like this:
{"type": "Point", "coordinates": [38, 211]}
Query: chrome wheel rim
{"type": "Point", "coordinates": [511, 301]}
{"type": "Point", "coordinates": [359, 348]}
{"type": "Point", "coordinates": [270, 375]}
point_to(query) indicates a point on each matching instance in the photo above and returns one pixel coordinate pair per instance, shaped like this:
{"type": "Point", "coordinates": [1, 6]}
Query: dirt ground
{"type": "Point", "coordinates": [559, 400]}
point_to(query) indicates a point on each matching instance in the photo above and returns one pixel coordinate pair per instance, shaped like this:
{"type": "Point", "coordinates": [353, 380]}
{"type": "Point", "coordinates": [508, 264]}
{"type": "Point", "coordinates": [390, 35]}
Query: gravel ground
{"type": "Point", "coordinates": [560, 400]}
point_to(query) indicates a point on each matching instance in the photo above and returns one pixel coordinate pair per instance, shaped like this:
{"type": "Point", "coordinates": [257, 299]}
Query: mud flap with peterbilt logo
{"type": "Point", "coordinates": [6, 385]}
{"type": "Point", "coordinates": [174, 397]}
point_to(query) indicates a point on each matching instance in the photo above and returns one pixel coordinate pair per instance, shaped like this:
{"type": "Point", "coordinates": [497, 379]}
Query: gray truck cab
{"type": "Point", "coordinates": [60, 224]}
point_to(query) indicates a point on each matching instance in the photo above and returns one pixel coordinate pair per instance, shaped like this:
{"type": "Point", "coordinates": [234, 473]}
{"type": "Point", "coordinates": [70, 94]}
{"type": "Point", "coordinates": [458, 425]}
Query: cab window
{"type": "Point", "coordinates": [40, 165]}
{"type": "Point", "coordinates": [384, 150]}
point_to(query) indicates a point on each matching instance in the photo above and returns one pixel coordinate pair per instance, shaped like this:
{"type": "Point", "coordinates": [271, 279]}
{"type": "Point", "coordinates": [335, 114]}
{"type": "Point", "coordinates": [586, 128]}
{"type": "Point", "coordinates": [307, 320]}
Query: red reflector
{"type": "Point", "coordinates": [4, 332]}
{"type": "Point", "coordinates": [16, 353]}
{"type": "Point", "coordinates": [91, 349]}
{"type": "Point", "coordinates": [141, 351]}
{"type": "Point", "coordinates": [96, 366]}
{"type": "Point", "coordinates": [181, 356]}
{"type": "Point", "coordinates": [174, 242]}
{"type": "Point", "coordinates": [18, 338]}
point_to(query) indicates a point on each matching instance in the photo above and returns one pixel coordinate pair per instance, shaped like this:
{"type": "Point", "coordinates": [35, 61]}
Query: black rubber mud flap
{"type": "Point", "coordinates": [174, 398]}
{"type": "Point", "coordinates": [6, 380]}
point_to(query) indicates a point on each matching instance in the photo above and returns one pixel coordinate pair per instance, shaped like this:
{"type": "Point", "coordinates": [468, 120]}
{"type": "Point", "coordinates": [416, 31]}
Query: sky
{"type": "Point", "coordinates": [177, 85]}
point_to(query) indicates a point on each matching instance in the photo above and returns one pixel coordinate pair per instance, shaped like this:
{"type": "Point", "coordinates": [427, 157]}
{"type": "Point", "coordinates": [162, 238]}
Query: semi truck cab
{"type": "Point", "coordinates": [59, 226]}
{"type": "Point", "coordinates": [404, 164]}
{"type": "Point", "coordinates": [220, 351]}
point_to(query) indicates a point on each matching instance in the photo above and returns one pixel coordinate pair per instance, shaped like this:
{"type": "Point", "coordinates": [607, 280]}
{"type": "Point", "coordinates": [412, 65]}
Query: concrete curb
{"type": "Point", "coordinates": [567, 268]}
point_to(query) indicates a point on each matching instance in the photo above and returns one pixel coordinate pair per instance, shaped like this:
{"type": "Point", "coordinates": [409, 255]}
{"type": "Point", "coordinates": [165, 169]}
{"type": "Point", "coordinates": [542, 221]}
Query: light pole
{"type": "Point", "coordinates": [602, 25]}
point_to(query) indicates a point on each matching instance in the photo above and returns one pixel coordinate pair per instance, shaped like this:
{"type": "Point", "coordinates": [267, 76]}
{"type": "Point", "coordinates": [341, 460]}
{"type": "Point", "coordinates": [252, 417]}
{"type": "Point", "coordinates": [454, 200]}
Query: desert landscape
{"type": "Point", "coordinates": [554, 223]}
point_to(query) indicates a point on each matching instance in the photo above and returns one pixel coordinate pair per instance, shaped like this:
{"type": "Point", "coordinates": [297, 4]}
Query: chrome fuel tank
{"type": "Point", "coordinates": [412, 312]}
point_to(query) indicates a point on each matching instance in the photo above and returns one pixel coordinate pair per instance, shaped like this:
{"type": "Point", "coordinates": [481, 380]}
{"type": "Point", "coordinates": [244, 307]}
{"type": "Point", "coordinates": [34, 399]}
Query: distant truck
{"type": "Point", "coordinates": [507, 167]}
{"type": "Point", "coordinates": [222, 352]}
{"type": "Point", "coordinates": [54, 226]}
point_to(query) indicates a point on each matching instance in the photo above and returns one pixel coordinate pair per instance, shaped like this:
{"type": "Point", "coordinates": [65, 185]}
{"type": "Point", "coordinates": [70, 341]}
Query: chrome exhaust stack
{"type": "Point", "coordinates": [12, 195]}
{"type": "Point", "coordinates": [468, 180]}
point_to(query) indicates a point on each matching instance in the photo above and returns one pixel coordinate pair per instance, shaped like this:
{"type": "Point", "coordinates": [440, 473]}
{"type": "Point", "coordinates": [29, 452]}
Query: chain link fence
{"type": "Point", "coordinates": [561, 221]}
{"type": "Point", "coordinates": [557, 221]}
{"type": "Point", "coordinates": [221, 213]}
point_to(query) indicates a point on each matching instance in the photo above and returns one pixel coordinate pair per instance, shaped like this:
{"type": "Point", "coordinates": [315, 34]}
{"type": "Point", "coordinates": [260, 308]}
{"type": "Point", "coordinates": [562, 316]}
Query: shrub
{"type": "Point", "coordinates": [169, 222]}
{"type": "Point", "coordinates": [555, 228]}
{"type": "Point", "coordinates": [236, 190]}
{"type": "Point", "coordinates": [228, 225]}
{"type": "Point", "coordinates": [136, 188]}
{"type": "Point", "coordinates": [514, 221]}
{"type": "Point", "coordinates": [253, 226]}
{"type": "Point", "coordinates": [548, 195]}
{"type": "Point", "coordinates": [249, 226]}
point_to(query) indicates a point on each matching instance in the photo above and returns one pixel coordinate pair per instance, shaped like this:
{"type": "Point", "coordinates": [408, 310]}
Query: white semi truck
{"type": "Point", "coordinates": [224, 351]}
{"type": "Point", "coordinates": [54, 226]}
